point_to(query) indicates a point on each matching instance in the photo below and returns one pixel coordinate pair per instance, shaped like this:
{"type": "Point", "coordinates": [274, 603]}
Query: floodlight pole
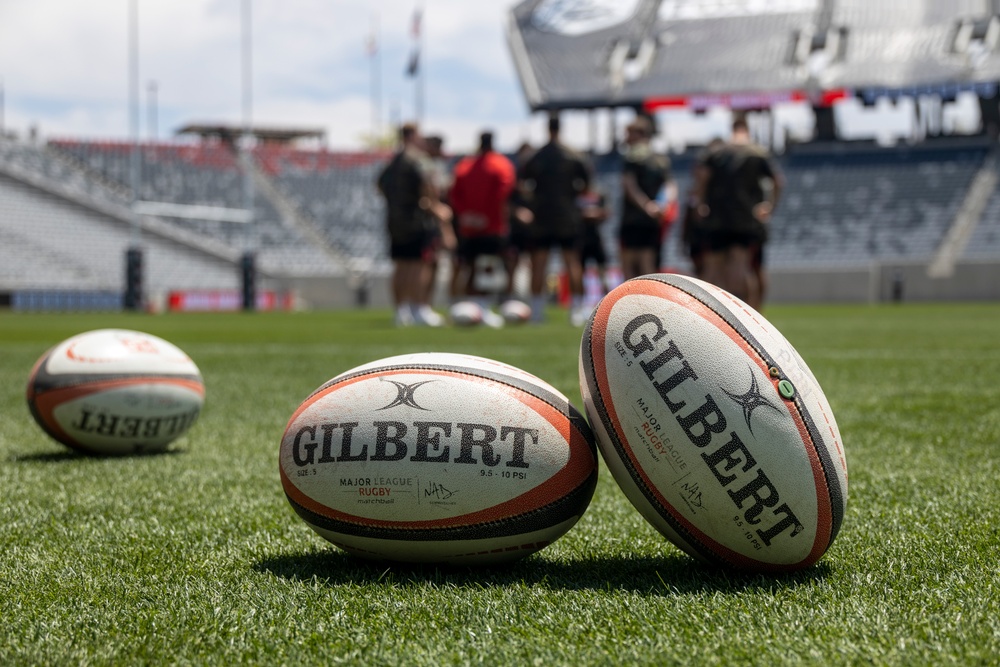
{"type": "Point", "coordinates": [153, 129]}
{"type": "Point", "coordinates": [375, 53]}
{"type": "Point", "coordinates": [133, 297]}
{"type": "Point", "coordinates": [248, 262]}
{"type": "Point", "coordinates": [420, 83]}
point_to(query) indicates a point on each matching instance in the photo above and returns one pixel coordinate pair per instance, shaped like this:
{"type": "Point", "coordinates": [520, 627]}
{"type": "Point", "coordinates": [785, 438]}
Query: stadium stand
{"type": "Point", "coordinates": [336, 194]}
{"type": "Point", "coordinates": [206, 174]}
{"type": "Point", "coordinates": [984, 243]}
{"type": "Point", "coordinates": [847, 206]}
{"type": "Point", "coordinates": [49, 242]}
{"type": "Point", "coordinates": [757, 52]}
{"type": "Point", "coordinates": [851, 206]}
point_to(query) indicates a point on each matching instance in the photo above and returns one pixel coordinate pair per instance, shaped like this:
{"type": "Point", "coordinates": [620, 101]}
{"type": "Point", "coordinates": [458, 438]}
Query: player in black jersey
{"type": "Point", "coordinates": [737, 186]}
{"type": "Point", "coordinates": [593, 206]}
{"type": "Point", "coordinates": [553, 179]}
{"type": "Point", "coordinates": [414, 217]}
{"type": "Point", "coordinates": [519, 244]}
{"type": "Point", "coordinates": [647, 188]}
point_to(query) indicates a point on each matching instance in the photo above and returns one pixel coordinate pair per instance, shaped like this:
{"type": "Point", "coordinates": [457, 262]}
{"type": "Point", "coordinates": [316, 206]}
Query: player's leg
{"type": "Point", "coordinates": [539, 266]}
{"type": "Point", "coordinates": [740, 279]}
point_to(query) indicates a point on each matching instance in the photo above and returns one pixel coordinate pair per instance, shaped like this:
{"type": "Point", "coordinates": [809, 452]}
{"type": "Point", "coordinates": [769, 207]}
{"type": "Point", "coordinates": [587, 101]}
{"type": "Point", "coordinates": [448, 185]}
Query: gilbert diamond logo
{"type": "Point", "coordinates": [405, 395]}
{"type": "Point", "coordinates": [751, 400]}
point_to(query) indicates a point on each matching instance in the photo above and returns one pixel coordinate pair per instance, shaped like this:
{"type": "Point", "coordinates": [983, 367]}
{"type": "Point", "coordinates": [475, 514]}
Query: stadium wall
{"type": "Point", "coordinates": [879, 283]}
{"type": "Point", "coordinates": [885, 282]}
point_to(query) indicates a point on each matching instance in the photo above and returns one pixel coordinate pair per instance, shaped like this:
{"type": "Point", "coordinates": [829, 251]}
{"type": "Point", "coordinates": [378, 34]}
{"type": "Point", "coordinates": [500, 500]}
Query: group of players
{"type": "Point", "coordinates": [491, 208]}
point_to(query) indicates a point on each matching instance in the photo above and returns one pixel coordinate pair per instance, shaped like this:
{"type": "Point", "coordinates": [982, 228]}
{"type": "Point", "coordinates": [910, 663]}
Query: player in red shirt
{"type": "Point", "coordinates": [479, 198]}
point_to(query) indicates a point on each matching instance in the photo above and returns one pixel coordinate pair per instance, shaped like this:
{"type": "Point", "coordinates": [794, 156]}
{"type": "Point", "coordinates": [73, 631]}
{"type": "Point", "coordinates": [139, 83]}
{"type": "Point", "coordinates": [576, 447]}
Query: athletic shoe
{"type": "Point", "coordinates": [492, 320]}
{"type": "Point", "coordinates": [425, 316]}
{"type": "Point", "coordinates": [404, 317]}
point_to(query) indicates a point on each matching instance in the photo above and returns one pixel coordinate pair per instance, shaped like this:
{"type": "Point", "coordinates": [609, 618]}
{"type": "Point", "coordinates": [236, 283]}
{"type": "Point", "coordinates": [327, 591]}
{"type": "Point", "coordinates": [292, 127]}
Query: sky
{"type": "Point", "coordinates": [64, 66]}
{"type": "Point", "coordinates": [64, 70]}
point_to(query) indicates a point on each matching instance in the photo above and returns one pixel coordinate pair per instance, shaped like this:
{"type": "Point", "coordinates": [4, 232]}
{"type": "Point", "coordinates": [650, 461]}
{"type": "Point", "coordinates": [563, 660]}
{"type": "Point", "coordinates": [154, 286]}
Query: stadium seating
{"type": "Point", "coordinates": [850, 207]}
{"type": "Point", "coordinates": [846, 206]}
{"type": "Point", "coordinates": [336, 192]}
{"type": "Point", "coordinates": [47, 242]}
{"type": "Point", "coordinates": [205, 174]}
{"type": "Point", "coordinates": [984, 244]}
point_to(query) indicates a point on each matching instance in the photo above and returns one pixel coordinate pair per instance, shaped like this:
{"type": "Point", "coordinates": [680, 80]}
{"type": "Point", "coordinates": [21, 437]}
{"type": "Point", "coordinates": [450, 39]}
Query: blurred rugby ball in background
{"type": "Point", "coordinates": [515, 312]}
{"type": "Point", "coordinates": [713, 425]}
{"type": "Point", "coordinates": [438, 458]}
{"type": "Point", "coordinates": [115, 391]}
{"type": "Point", "coordinates": [466, 314]}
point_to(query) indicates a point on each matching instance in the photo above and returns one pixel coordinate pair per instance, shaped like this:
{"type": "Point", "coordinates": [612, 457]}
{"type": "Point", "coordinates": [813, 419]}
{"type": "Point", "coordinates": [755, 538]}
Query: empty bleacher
{"type": "Point", "coordinates": [851, 206]}
{"type": "Point", "coordinates": [203, 174]}
{"type": "Point", "coordinates": [984, 243]}
{"type": "Point", "coordinates": [336, 192]}
{"type": "Point", "coordinates": [846, 207]}
{"type": "Point", "coordinates": [47, 242]}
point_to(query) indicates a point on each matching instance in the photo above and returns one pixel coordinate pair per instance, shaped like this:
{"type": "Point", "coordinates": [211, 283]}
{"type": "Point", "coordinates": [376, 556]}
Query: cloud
{"type": "Point", "coordinates": [65, 63]}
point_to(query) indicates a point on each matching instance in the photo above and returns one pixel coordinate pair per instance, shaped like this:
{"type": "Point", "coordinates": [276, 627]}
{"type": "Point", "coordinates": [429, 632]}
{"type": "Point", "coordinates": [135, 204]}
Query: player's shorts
{"type": "Point", "coordinates": [639, 237]}
{"type": "Point", "coordinates": [563, 237]}
{"type": "Point", "coordinates": [593, 249]}
{"type": "Point", "coordinates": [469, 248]}
{"type": "Point", "coordinates": [412, 246]}
{"type": "Point", "coordinates": [724, 239]}
{"type": "Point", "coordinates": [520, 237]}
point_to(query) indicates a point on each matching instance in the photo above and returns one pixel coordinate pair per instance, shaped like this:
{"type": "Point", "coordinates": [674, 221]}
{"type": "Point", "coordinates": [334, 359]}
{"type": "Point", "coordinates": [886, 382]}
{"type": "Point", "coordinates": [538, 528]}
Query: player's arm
{"type": "Point", "coordinates": [382, 182]}
{"type": "Point", "coordinates": [441, 212]}
{"type": "Point", "coordinates": [632, 191]}
{"type": "Point", "coordinates": [702, 175]}
{"type": "Point", "coordinates": [525, 185]}
{"type": "Point", "coordinates": [765, 209]}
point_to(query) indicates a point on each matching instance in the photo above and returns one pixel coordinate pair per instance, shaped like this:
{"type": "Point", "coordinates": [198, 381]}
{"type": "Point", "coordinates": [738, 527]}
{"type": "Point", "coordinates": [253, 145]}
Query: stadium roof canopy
{"type": "Point", "coordinates": [749, 54]}
{"type": "Point", "coordinates": [265, 134]}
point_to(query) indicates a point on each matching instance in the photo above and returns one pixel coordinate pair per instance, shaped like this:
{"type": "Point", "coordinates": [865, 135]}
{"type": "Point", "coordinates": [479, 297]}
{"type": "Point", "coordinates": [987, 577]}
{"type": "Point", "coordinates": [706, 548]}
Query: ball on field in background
{"type": "Point", "coordinates": [438, 458]}
{"type": "Point", "coordinates": [713, 425]}
{"type": "Point", "coordinates": [466, 314]}
{"type": "Point", "coordinates": [115, 392]}
{"type": "Point", "coordinates": [515, 312]}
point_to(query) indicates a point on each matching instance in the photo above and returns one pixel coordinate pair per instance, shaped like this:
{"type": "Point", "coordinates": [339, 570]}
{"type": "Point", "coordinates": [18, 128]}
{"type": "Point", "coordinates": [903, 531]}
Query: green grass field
{"type": "Point", "coordinates": [195, 557]}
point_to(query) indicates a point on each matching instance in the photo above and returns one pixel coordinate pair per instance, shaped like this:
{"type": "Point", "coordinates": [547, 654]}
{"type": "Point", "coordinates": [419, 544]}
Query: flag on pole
{"type": "Point", "coordinates": [371, 45]}
{"type": "Point", "coordinates": [413, 66]}
{"type": "Point", "coordinates": [415, 27]}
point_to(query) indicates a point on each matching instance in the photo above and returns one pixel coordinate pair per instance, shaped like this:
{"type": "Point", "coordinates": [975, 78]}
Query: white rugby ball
{"type": "Point", "coordinates": [438, 458]}
{"type": "Point", "coordinates": [515, 312]}
{"type": "Point", "coordinates": [713, 425]}
{"type": "Point", "coordinates": [115, 391]}
{"type": "Point", "coordinates": [466, 314]}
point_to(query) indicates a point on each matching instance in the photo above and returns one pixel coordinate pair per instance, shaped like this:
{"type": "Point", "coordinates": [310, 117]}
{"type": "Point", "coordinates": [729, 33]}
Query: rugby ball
{"type": "Point", "coordinates": [466, 314]}
{"type": "Point", "coordinates": [713, 425]}
{"type": "Point", "coordinates": [438, 458]}
{"type": "Point", "coordinates": [115, 391]}
{"type": "Point", "coordinates": [515, 312]}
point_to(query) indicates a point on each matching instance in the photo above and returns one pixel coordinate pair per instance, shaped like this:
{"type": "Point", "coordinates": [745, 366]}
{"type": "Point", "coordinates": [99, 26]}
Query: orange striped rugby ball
{"type": "Point", "coordinates": [438, 458]}
{"type": "Point", "coordinates": [114, 392]}
{"type": "Point", "coordinates": [713, 425]}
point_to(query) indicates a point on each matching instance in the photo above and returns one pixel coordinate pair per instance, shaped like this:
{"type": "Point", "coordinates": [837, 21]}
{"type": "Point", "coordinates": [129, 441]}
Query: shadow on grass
{"type": "Point", "coordinates": [672, 574]}
{"type": "Point", "coordinates": [74, 455]}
